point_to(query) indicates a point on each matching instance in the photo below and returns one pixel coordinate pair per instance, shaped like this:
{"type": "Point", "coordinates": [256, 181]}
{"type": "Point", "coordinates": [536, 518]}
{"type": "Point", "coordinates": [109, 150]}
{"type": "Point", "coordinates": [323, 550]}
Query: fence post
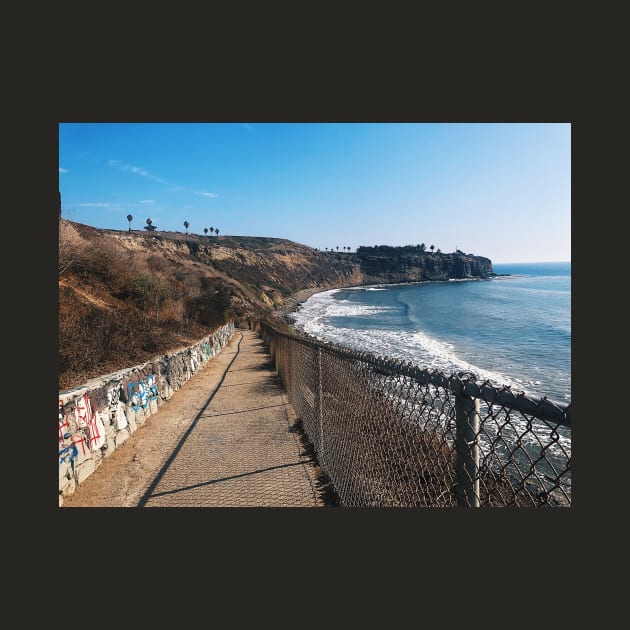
{"type": "Point", "coordinates": [467, 448]}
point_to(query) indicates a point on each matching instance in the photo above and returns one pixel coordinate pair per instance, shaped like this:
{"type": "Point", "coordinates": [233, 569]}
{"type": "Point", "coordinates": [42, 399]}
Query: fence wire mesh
{"type": "Point", "coordinates": [390, 434]}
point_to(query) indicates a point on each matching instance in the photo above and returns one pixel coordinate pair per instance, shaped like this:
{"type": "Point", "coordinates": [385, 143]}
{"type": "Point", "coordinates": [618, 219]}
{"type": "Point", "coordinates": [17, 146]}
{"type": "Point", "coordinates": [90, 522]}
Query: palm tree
{"type": "Point", "coordinates": [130, 219]}
{"type": "Point", "coordinates": [148, 226]}
{"type": "Point", "coordinates": [337, 247]}
{"type": "Point", "coordinates": [211, 230]}
{"type": "Point", "coordinates": [186, 224]}
{"type": "Point", "coordinates": [432, 248]}
{"type": "Point", "coordinates": [205, 231]}
{"type": "Point", "coordinates": [216, 231]}
{"type": "Point", "coordinates": [422, 247]}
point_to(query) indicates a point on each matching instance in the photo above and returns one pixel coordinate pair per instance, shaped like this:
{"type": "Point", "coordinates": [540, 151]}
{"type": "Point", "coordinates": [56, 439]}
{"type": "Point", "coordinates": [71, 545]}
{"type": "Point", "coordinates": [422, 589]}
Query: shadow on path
{"type": "Point", "coordinates": [149, 493]}
{"type": "Point", "coordinates": [212, 481]}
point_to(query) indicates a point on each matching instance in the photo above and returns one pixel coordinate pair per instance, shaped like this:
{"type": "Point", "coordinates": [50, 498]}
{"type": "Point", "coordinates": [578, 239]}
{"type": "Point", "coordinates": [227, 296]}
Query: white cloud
{"type": "Point", "coordinates": [148, 201]}
{"type": "Point", "coordinates": [137, 170]}
{"type": "Point", "coordinates": [143, 172]}
{"type": "Point", "coordinates": [63, 170]}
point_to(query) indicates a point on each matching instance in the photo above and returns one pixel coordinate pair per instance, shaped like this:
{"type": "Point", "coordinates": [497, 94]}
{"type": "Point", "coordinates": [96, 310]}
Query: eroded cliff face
{"type": "Point", "coordinates": [285, 268]}
{"type": "Point", "coordinates": [261, 272]}
{"type": "Point", "coordinates": [124, 296]}
{"type": "Point", "coordinates": [422, 267]}
{"type": "Point", "coordinates": [268, 270]}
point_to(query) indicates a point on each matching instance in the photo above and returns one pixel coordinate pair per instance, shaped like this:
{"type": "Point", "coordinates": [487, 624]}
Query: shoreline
{"type": "Point", "coordinates": [295, 300]}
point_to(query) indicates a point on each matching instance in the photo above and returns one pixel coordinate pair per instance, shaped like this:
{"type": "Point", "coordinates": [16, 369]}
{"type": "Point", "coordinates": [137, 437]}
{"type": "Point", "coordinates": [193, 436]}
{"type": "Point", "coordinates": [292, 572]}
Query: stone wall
{"type": "Point", "coordinates": [96, 418]}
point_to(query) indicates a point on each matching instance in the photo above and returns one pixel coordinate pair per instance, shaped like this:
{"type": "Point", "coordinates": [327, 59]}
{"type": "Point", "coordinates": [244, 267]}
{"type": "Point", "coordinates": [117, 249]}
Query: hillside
{"type": "Point", "coordinates": [126, 296]}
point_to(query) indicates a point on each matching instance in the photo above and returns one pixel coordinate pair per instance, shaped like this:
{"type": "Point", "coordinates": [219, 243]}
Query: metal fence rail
{"type": "Point", "coordinates": [389, 433]}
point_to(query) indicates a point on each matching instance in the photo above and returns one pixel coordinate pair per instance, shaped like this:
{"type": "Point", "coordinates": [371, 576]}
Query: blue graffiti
{"type": "Point", "coordinates": [205, 349]}
{"type": "Point", "coordinates": [132, 395]}
{"type": "Point", "coordinates": [140, 394]}
{"type": "Point", "coordinates": [68, 454]}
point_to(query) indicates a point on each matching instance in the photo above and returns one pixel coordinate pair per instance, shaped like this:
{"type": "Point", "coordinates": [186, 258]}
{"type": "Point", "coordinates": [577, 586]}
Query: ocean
{"type": "Point", "coordinates": [510, 330]}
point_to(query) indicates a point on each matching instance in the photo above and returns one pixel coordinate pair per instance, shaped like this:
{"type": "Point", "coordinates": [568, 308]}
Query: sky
{"type": "Point", "coordinates": [500, 190]}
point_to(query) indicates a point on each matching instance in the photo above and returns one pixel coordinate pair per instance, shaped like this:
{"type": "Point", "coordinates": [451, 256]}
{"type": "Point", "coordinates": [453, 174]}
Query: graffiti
{"type": "Point", "coordinates": [64, 424]}
{"type": "Point", "coordinates": [113, 395]}
{"type": "Point", "coordinates": [77, 438]}
{"type": "Point", "coordinates": [67, 454]}
{"type": "Point", "coordinates": [118, 418]}
{"type": "Point", "coordinates": [116, 413]}
{"type": "Point", "coordinates": [151, 389]}
{"type": "Point", "coordinates": [206, 350]}
{"type": "Point", "coordinates": [141, 392]}
{"type": "Point", "coordinates": [83, 411]}
{"type": "Point", "coordinates": [96, 432]}
{"type": "Point", "coordinates": [88, 420]}
{"type": "Point", "coordinates": [82, 429]}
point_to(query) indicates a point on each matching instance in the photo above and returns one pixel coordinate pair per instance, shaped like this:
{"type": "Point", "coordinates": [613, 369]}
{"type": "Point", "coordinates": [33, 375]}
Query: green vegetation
{"type": "Point", "coordinates": [388, 250]}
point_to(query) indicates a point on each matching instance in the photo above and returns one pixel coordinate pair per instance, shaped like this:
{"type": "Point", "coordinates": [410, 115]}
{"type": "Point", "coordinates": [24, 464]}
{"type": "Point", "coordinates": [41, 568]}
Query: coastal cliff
{"type": "Point", "coordinates": [417, 267]}
{"type": "Point", "coordinates": [279, 268]}
{"type": "Point", "coordinates": [126, 295]}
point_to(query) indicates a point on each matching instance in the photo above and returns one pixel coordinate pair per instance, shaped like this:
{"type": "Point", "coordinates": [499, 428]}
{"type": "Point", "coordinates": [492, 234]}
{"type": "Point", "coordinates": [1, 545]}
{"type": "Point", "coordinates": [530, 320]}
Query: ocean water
{"type": "Point", "coordinates": [510, 330]}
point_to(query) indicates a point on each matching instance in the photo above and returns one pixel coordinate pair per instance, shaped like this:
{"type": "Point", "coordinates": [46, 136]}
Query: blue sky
{"type": "Point", "coordinates": [498, 190]}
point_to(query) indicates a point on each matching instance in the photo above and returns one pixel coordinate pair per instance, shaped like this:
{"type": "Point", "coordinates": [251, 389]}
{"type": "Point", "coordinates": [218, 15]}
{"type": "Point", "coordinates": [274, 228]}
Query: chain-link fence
{"type": "Point", "coordinates": [388, 433]}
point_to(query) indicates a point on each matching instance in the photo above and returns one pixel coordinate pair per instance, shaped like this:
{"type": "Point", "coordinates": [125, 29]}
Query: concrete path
{"type": "Point", "coordinates": [236, 447]}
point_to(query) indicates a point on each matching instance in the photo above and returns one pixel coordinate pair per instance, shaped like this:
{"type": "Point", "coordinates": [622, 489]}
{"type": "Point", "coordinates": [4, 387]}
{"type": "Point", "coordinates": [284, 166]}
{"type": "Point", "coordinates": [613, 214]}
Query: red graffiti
{"type": "Point", "coordinates": [87, 418]}
{"type": "Point", "coordinates": [79, 439]}
{"type": "Point", "coordinates": [83, 411]}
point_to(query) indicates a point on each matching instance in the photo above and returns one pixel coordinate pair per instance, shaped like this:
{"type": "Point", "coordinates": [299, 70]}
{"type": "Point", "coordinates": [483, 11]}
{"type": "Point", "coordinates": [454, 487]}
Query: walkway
{"type": "Point", "coordinates": [232, 444]}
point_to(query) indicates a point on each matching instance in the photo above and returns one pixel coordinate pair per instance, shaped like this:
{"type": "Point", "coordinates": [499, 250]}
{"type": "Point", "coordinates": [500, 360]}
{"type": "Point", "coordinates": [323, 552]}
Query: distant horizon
{"type": "Point", "coordinates": [500, 190]}
{"type": "Point", "coordinates": [532, 262]}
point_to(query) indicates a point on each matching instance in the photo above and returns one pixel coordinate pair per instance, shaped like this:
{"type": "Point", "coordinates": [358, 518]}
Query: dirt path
{"type": "Point", "coordinates": [228, 438]}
